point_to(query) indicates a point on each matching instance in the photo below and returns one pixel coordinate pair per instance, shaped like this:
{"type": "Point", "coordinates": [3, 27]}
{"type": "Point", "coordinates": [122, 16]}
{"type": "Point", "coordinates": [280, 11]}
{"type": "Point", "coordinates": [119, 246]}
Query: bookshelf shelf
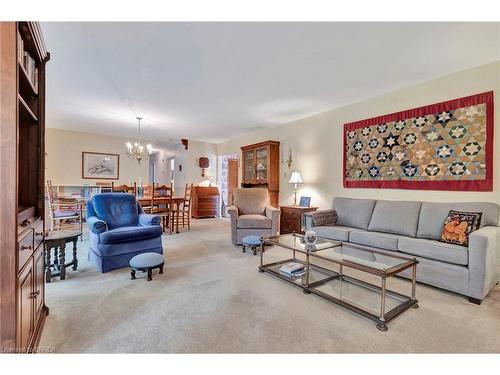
{"type": "Point", "coordinates": [24, 110]}
{"type": "Point", "coordinates": [26, 87]}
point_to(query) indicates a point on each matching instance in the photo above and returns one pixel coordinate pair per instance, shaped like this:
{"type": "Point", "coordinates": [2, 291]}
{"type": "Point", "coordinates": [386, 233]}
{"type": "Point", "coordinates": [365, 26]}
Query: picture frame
{"type": "Point", "coordinates": [305, 201]}
{"type": "Point", "coordinates": [100, 166]}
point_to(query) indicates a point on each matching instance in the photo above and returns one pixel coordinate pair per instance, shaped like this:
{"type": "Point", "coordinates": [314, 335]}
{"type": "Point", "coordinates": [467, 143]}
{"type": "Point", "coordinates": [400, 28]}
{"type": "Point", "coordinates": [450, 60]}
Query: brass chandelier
{"type": "Point", "coordinates": [136, 150]}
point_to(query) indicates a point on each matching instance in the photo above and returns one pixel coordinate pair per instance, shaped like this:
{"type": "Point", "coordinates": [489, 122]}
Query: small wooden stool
{"type": "Point", "coordinates": [146, 262]}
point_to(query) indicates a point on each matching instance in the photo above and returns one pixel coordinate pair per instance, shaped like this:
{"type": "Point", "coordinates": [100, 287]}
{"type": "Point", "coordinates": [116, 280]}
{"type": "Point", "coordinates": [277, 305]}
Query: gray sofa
{"type": "Point", "coordinates": [414, 228]}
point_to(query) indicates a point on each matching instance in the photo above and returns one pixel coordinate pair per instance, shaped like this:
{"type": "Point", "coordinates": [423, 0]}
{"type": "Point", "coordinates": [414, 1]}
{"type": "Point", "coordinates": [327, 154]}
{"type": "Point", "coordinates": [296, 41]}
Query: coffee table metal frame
{"type": "Point", "coordinates": [384, 317]}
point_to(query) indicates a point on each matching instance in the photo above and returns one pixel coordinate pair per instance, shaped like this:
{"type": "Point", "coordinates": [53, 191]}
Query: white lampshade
{"type": "Point", "coordinates": [295, 178]}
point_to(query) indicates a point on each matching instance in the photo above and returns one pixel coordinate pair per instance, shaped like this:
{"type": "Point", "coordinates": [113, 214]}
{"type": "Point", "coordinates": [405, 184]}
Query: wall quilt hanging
{"type": "Point", "coordinates": [443, 146]}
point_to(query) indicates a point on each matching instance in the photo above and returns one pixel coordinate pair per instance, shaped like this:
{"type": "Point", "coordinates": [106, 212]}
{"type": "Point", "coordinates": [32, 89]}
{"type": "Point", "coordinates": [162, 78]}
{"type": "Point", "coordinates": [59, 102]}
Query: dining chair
{"type": "Point", "coordinates": [124, 188]}
{"type": "Point", "coordinates": [62, 210]}
{"type": "Point", "coordinates": [163, 190]}
{"type": "Point", "coordinates": [182, 211]}
{"type": "Point", "coordinates": [162, 207]}
{"type": "Point", "coordinates": [147, 192]}
{"type": "Point", "coordinates": [186, 206]}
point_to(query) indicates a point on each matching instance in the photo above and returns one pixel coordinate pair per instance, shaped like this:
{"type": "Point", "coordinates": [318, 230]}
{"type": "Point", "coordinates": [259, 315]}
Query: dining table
{"type": "Point", "coordinates": [165, 201]}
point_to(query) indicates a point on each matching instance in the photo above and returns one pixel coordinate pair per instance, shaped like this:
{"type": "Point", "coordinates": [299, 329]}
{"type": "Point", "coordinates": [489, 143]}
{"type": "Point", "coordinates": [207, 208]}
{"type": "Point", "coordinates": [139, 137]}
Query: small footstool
{"type": "Point", "coordinates": [251, 241]}
{"type": "Point", "coordinates": [146, 262]}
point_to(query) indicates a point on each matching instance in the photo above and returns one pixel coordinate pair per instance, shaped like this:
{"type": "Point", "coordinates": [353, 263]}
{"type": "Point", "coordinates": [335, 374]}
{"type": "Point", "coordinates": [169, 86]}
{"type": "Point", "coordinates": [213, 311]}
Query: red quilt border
{"type": "Point", "coordinates": [477, 185]}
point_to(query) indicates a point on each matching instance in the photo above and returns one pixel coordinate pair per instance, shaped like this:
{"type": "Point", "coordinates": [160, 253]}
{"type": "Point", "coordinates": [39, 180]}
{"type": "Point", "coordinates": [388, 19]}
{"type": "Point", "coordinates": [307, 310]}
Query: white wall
{"type": "Point", "coordinates": [63, 161]}
{"type": "Point", "coordinates": [180, 177]}
{"type": "Point", "coordinates": [195, 151]}
{"type": "Point", "coordinates": [161, 162]}
{"type": "Point", "coordinates": [317, 141]}
{"type": "Point", "coordinates": [191, 172]}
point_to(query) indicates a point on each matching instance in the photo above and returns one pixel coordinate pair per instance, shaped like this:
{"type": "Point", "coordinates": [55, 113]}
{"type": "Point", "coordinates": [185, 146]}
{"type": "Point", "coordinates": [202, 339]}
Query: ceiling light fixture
{"type": "Point", "coordinates": [137, 151]}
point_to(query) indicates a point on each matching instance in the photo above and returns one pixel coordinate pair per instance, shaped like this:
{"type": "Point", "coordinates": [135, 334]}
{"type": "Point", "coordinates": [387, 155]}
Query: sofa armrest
{"type": "Point", "coordinates": [320, 217]}
{"type": "Point", "coordinates": [96, 225]}
{"type": "Point", "coordinates": [146, 220]}
{"type": "Point", "coordinates": [484, 262]}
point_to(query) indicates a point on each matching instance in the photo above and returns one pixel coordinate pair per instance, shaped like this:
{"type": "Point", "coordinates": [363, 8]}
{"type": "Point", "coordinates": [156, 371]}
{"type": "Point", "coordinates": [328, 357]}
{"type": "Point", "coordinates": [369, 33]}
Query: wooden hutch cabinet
{"type": "Point", "coordinates": [22, 132]}
{"type": "Point", "coordinates": [261, 168]}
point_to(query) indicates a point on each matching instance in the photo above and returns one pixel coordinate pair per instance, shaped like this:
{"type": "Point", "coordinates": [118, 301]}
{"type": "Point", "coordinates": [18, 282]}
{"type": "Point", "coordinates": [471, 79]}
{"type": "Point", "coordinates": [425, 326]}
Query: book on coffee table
{"type": "Point", "coordinates": [292, 269]}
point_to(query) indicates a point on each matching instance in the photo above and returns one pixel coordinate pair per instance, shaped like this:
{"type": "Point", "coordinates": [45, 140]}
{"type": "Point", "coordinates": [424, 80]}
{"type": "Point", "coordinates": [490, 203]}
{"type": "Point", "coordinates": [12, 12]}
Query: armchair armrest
{"type": "Point", "coordinates": [274, 214]}
{"type": "Point", "coordinates": [96, 225]}
{"type": "Point", "coordinates": [146, 220]}
{"type": "Point", "coordinates": [484, 261]}
{"type": "Point", "coordinates": [320, 217]}
{"type": "Point", "coordinates": [233, 213]}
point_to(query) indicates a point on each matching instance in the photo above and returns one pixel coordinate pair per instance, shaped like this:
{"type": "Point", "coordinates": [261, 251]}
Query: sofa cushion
{"type": "Point", "coordinates": [334, 232]}
{"type": "Point", "coordinates": [381, 240]}
{"type": "Point", "coordinates": [436, 250]}
{"type": "Point", "coordinates": [433, 215]}
{"type": "Point", "coordinates": [354, 212]}
{"type": "Point", "coordinates": [127, 234]}
{"type": "Point", "coordinates": [116, 209]}
{"type": "Point", "coordinates": [397, 217]}
{"type": "Point", "coordinates": [250, 221]}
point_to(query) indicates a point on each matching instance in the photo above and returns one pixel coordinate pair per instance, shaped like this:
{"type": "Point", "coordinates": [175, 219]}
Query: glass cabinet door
{"type": "Point", "coordinates": [249, 166]}
{"type": "Point", "coordinates": [261, 164]}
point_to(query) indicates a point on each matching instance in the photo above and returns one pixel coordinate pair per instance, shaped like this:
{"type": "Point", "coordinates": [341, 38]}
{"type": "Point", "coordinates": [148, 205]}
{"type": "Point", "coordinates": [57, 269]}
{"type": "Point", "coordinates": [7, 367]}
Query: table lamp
{"type": "Point", "coordinates": [295, 179]}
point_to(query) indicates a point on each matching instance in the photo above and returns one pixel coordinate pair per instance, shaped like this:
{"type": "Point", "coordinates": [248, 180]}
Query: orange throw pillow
{"type": "Point", "coordinates": [458, 226]}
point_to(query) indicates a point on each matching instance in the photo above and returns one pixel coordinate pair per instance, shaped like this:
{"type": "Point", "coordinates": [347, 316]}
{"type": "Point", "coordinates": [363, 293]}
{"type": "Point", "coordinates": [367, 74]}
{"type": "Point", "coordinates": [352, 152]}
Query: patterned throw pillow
{"type": "Point", "coordinates": [458, 226]}
{"type": "Point", "coordinates": [323, 217]}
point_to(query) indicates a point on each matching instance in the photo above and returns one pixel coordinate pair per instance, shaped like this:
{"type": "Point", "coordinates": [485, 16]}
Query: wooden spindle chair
{"type": "Point", "coordinates": [160, 208]}
{"type": "Point", "coordinates": [147, 192]}
{"type": "Point", "coordinates": [185, 207]}
{"type": "Point", "coordinates": [124, 188]}
{"type": "Point", "coordinates": [62, 210]}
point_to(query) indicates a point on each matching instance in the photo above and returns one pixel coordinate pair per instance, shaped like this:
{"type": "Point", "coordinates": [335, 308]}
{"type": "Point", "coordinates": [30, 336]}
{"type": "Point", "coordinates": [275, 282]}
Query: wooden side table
{"type": "Point", "coordinates": [57, 240]}
{"type": "Point", "coordinates": [292, 218]}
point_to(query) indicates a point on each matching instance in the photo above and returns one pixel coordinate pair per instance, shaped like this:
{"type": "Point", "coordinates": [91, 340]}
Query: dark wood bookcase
{"type": "Point", "coordinates": [22, 137]}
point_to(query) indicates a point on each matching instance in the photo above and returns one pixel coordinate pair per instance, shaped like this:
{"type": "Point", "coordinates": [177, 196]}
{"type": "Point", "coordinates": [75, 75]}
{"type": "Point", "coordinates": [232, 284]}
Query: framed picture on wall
{"type": "Point", "coordinates": [100, 166]}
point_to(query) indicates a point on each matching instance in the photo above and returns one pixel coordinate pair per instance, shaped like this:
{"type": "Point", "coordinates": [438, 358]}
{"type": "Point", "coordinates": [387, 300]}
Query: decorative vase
{"type": "Point", "coordinates": [310, 237]}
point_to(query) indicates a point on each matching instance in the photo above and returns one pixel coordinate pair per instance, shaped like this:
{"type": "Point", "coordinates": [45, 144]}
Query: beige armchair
{"type": "Point", "coordinates": [251, 215]}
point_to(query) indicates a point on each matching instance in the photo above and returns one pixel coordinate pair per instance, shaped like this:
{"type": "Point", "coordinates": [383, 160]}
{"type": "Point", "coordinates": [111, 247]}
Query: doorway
{"type": "Point", "coordinates": [228, 180]}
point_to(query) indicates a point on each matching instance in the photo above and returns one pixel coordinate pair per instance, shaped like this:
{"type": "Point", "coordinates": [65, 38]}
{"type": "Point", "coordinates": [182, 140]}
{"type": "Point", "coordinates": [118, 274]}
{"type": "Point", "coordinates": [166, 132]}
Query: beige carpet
{"type": "Point", "coordinates": [211, 299]}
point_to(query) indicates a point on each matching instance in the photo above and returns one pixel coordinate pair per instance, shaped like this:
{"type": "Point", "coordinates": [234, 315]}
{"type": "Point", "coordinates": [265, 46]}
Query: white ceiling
{"type": "Point", "coordinates": [215, 81]}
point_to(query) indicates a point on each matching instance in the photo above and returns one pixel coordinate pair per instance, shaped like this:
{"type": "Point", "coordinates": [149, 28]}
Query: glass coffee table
{"type": "Point", "coordinates": [329, 281]}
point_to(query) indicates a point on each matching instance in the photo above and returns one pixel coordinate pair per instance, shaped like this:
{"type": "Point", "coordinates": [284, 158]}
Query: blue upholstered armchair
{"type": "Point", "coordinates": [119, 230]}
